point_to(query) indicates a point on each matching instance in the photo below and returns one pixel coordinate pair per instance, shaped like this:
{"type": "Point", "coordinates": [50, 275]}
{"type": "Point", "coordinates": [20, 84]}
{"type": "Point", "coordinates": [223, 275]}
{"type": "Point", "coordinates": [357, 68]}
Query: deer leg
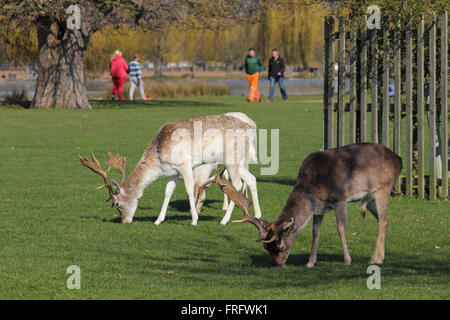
{"type": "Point", "coordinates": [225, 203]}
{"type": "Point", "coordinates": [170, 187]}
{"type": "Point", "coordinates": [188, 177]}
{"type": "Point", "coordinates": [317, 223]}
{"type": "Point", "coordinates": [341, 218]}
{"type": "Point", "coordinates": [250, 180]}
{"type": "Point", "coordinates": [244, 189]}
{"type": "Point", "coordinates": [381, 203]}
{"type": "Point", "coordinates": [237, 183]}
{"type": "Point", "coordinates": [201, 174]}
{"type": "Point", "coordinates": [225, 197]}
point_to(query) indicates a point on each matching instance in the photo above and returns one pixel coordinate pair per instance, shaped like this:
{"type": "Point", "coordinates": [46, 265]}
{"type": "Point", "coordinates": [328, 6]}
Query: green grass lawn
{"type": "Point", "coordinates": [51, 217]}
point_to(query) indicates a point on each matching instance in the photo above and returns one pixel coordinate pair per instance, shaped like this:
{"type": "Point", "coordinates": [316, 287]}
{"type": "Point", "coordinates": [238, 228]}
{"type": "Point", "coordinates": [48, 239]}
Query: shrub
{"type": "Point", "coordinates": [177, 89]}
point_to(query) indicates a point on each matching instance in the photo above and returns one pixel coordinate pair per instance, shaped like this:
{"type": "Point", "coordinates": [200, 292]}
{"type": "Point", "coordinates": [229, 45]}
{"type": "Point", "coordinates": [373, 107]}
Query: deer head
{"type": "Point", "coordinates": [120, 201]}
{"type": "Point", "coordinates": [274, 235]}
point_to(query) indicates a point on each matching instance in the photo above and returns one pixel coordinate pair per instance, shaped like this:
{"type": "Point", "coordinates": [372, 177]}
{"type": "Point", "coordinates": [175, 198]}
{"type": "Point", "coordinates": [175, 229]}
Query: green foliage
{"type": "Point", "coordinates": [52, 217]}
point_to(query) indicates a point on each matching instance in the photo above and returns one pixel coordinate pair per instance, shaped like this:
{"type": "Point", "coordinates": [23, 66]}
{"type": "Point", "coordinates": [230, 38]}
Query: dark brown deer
{"type": "Point", "coordinates": [328, 180]}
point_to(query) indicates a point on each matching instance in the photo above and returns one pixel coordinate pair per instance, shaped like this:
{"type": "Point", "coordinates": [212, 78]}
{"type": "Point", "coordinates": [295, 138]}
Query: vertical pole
{"type": "Point", "coordinates": [374, 86]}
{"type": "Point", "coordinates": [328, 107]}
{"type": "Point", "coordinates": [352, 119]}
{"type": "Point", "coordinates": [444, 102]}
{"type": "Point", "coordinates": [420, 108]}
{"type": "Point", "coordinates": [432, 111]}
{"type": "Point", "coordinates": [385, 113]}
{"type": "Point", "coordinates": [409, 110]}
{"type": "Point", "coordinates": [341, 81]}
{"type": "Point", "coordinates": [397, 97]}
{"type": "Point", "coordinates": [363, 77]}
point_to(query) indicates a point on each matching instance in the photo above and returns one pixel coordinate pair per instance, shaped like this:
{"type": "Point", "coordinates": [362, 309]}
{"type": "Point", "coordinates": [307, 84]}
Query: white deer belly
{"type": "Point", "coordinates": [358, 196]}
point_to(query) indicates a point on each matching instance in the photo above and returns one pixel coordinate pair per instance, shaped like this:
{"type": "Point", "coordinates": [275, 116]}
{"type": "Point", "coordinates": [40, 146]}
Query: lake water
{"type": "Point", "coordinates": [98, 88]}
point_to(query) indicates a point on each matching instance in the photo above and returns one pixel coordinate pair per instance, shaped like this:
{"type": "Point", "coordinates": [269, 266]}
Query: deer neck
{"type": "Point", "coordinates": [145, 173]}
{"type": "Point", "coordinates": [299, 207]}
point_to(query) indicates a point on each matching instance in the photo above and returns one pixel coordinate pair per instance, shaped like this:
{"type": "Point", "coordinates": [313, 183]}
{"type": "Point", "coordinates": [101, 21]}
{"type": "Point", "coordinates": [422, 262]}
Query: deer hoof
{"type": "Point", "coordinates": [224, 222]}
{"type": "Point", "coordinates": [194, 223]}
{"type": "Point", "coordinates": [158, 222]}
{"type": "Point", "coordinates": [375, 261]}
{"type": "Point", "coordinates": [309, 265]}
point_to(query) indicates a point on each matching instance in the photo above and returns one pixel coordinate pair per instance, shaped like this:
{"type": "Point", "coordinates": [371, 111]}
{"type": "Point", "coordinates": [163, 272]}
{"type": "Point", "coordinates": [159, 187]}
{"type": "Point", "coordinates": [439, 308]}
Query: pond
{"type": "Point", "coordinates": [98, 88]}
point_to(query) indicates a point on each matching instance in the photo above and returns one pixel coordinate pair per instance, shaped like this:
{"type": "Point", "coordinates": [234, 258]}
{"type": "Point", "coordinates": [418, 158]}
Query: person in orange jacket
{"type": "Point", "coordinates": [253, 66]}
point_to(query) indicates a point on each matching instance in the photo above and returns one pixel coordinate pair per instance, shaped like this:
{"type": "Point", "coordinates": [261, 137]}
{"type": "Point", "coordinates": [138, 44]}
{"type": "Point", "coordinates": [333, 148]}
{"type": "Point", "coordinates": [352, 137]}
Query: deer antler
{"type": "Point", "coordinates": [242, 202]}
{"type": "Point", "coordinates": [119, 163]}
{"type": "Point", "coordinates": [94, 165]}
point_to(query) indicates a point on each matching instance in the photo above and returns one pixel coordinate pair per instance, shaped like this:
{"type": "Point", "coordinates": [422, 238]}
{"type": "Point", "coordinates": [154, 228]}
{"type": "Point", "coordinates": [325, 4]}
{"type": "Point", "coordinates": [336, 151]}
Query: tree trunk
{"type": "Point", "coordinates": [60, 66]}
{"type": "Point", "coordinates": [157, 66]}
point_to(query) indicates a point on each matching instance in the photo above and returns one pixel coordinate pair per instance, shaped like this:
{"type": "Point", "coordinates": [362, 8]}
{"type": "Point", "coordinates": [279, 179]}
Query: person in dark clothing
{"type": "Point", "coordinates": [276, 74]}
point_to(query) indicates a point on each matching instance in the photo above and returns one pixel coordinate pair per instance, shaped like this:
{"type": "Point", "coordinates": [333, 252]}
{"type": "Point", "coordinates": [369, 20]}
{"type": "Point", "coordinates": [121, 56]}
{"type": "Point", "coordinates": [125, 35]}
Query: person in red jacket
{"type": "Point", "coordinates": [119, 70]}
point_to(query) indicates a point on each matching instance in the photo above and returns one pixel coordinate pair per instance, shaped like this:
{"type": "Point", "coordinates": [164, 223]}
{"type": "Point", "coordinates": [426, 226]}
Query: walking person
{"type": "Point", "coordinates": [118, 71]}
{"type": "Point", "coordinates": [253, 66]}
{"type": "Point", "coordinates": [276, 74]}
{"type": "Point", "coordinates": [136, 78]}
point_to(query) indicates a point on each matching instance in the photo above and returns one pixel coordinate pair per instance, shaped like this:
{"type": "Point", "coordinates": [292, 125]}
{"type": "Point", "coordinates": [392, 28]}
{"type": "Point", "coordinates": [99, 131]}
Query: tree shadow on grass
{"type": "Point", "coordinates": [208, 203]}
{"type": "Point", "coordinates": [262, 260]}
{"type": "Point", "coordinates": [278, 180]}
{"type": "Point", "coordinates": [110, 104]}
{"type": "Point", "coordinates": [328, 269]}
{"type": "Point", "coordinates": [15, 104]}
{"type": "Point", "coordinates": [176, 217]}
{"type": "Point", "coordinates": [178, 205]}
{"type": "Point", "coordinates": [169, 217]}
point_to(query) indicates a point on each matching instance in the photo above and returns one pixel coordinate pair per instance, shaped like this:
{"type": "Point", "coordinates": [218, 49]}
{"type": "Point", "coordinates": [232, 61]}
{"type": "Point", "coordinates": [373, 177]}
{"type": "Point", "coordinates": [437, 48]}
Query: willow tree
{"type": "Point", "coordinates": [64, 31]}
{"type": "Point", "coordinates": [295, 28]}
{"type": "Point", "coordinates": [17, 45]}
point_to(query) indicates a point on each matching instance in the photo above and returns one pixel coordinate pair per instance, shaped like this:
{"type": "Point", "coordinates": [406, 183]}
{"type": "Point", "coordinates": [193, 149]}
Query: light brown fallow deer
{"type": "Point", "coordinates": [178, 149]}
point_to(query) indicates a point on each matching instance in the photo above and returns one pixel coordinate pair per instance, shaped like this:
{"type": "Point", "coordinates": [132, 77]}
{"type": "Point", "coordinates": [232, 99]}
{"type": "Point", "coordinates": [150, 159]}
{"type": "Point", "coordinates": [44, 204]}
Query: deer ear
{"type": "Point", "coordinates": [116, 186]}
{"type": "Point", "coordinates": [286, 226]}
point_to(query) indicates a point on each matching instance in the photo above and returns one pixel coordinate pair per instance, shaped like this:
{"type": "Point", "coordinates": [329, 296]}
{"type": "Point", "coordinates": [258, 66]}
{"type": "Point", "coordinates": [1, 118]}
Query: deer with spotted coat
{"type": "Point", "coordinates": [192, 149]}
{"type": "Point", "coordinates": [328, 180]}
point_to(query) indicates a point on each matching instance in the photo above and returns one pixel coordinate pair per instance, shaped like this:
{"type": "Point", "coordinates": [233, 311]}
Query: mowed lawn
{"type": "Point", "coordinates": [52, 217]}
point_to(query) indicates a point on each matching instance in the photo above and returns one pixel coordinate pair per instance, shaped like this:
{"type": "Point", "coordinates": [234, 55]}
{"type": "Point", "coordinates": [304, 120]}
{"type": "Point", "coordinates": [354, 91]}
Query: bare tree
{"type": "Point", "coordinates": [62, 46]}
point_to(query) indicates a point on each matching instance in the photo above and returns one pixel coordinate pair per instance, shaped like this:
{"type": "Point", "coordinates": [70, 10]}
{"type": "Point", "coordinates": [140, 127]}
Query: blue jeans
{"type": "Point", "coordinates": [280, 81]}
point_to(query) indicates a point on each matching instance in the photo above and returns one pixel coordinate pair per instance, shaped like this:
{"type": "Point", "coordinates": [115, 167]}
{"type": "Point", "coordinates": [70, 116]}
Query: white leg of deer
{"type": "Point", "coordinates": [250, 180]}
{"type": "Point", "coordinates": [201, 174]}
{"type": "Point", "coordinates": [244, 189]}
{"type": "Point", "coordinates": [170, 188]}
{"type": "Point", "coordinates": [237, 183]}
{"type": "Point", "coordinates": [317, 223]}
{"type": "Point", "coordinates": [381, 203]}
{"type": "Point", "coordinates": [225, 197]}
{"type": "Point", "coordinates": [188, 176]}
{"type": "Point", "coordinates": [341, 213]}
{"type": "Point", "coordinates": [225, 203]}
